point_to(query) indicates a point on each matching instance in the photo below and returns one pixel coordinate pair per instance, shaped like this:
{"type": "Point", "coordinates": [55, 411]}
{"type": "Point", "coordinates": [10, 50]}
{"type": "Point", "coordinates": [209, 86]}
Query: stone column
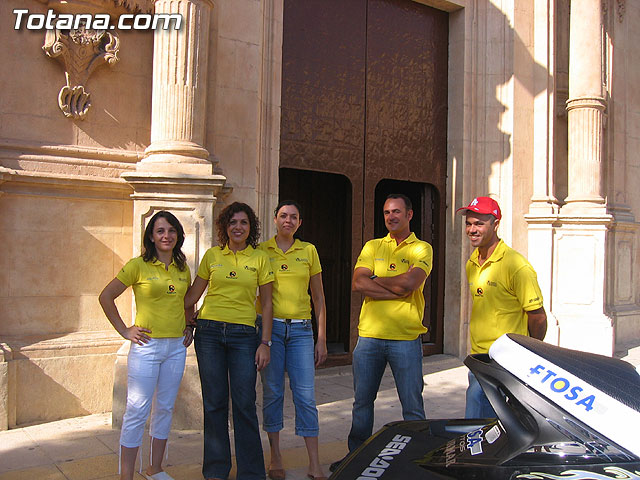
{"type": "Point", "coordinates": [178, 111]}
{"type": "Point", "coordinates": [176, 172]}
{"type": "Point", "coordinates": [580, 234]}
{"type": "Point", "coordinates": [585, 107]}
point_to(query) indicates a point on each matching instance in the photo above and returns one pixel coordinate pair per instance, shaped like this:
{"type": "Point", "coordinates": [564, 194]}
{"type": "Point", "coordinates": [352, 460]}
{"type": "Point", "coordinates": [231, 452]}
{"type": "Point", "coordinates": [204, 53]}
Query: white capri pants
{"type": "Point", "coordinates": [154, 373]}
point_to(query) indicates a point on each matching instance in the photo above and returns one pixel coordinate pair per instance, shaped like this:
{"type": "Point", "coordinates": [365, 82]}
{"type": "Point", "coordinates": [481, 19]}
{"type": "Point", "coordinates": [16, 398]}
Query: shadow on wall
{"type": "Point", "coordinates": [62, 254]}
{"type": "Point", "coordinates": [43, 393]}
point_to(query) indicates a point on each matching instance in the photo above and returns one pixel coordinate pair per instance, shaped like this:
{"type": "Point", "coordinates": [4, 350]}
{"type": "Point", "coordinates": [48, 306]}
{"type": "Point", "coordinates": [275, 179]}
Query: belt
{"type": "Point", "coordinates": [290, 320]}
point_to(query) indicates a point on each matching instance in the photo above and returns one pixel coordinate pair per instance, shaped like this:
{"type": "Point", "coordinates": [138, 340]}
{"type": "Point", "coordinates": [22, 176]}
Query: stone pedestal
{"type": "Point", "coordinates": [579, 285]}
{"type": "Point", "coordinates": [191, 198]}
{"type": "Point", "coordinates": [541, 234]}
{"type": "Point", "coordinates": [623, 282]}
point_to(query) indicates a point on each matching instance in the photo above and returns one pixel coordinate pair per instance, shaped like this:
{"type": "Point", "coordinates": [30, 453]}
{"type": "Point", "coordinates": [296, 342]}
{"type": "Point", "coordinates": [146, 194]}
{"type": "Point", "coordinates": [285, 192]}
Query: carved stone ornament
{"type": "Point", "coordinates": [80, 51]}
{"type": "Point", "coordinates": [621, 8]}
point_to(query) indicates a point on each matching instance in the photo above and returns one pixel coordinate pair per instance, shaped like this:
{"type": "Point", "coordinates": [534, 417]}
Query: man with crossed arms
{"type": "Point", "coordinates": [390, 273]}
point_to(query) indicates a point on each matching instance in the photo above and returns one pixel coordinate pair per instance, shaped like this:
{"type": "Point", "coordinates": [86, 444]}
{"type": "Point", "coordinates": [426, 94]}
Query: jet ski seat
{"type": "Point", "coordinates": [602, 392]}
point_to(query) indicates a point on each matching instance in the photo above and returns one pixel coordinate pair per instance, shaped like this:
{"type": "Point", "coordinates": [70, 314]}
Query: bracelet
{"type": "Point", "coordinates": [373, 277]}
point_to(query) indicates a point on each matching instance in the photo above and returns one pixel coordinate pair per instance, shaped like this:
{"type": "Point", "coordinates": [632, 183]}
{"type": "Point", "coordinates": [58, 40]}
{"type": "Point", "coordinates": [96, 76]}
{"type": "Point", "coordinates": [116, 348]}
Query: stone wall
{"type": "Point", "coordinates": [66, 218]}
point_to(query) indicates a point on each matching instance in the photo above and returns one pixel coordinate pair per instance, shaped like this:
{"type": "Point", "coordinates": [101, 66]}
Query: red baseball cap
{"type": "Point", "coordinates": [484, 205]}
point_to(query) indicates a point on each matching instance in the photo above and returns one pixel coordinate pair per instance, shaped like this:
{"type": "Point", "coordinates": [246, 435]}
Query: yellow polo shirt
{"type": "Point", "coordinates": [503, 289]}
{"type": "Point", "coordinates": [159, 295]}
{"type": "Point", "coordinates": [292, 270]}
{"type": "Point", "coordinates": [397, 319]}
{"type": "Point", "coordinates": [233, 281]}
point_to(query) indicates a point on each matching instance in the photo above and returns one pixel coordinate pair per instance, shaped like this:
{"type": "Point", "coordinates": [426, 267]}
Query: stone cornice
{"type": "Point", "coordinates": [70, 153]}
{"type": "Point", "coordinates": [60, 345]}
{"type": "Point", "coordinates": [174, 186]}
{"type": "Point", "coordinates": [560, 219]}
{"type": "Point", "coordinates": [63, 185]}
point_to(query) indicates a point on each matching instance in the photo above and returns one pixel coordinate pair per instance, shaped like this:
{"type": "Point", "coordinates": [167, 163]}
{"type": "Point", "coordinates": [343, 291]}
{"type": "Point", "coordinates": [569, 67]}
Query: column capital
{"type": "Point", "coordinates": [598, 103]}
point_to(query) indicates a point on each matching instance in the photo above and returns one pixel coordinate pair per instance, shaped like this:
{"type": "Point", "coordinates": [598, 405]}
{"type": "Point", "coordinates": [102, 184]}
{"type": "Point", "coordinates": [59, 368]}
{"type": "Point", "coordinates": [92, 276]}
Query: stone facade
{"type": "Point", "coordinates": [190, 120]}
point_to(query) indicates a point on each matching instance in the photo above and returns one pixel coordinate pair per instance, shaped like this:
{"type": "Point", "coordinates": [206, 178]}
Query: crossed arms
{"type": "Point", "coordinates": [387, 288]}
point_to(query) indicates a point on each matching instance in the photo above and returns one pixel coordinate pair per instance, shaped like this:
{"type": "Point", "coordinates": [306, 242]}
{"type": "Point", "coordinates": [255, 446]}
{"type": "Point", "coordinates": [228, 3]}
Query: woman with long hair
{"type": "Point", "coordinates": [159, 339]}
{"type": "Point", "coordinates": [228, 347]}
{"type": "Point", "coordinates": [296, 267]}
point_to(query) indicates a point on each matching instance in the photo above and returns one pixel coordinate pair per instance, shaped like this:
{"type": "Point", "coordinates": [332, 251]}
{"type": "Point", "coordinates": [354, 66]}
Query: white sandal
{"type": "Point", "coordinates": [159, 476]}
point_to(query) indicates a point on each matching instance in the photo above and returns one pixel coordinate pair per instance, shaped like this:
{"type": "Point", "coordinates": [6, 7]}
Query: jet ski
{"type": "Point", "coordinates": [561, 414]}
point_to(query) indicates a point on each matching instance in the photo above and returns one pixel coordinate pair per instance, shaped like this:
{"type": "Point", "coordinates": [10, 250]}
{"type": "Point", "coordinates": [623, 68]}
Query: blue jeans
{"type": "Point", "coordinates": [292, 350]}
{"type": "Point", "coordinates": [478, 405]}
{"type": "Point", "coordinates": [370, 358]}
{"type": "Point", "coordinates": [226, 361]}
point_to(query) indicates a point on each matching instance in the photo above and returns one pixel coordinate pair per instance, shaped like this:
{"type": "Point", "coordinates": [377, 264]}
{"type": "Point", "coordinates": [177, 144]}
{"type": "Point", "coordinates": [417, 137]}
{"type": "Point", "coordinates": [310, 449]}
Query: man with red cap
{"type": "Point", "coordinates": [505, 291]}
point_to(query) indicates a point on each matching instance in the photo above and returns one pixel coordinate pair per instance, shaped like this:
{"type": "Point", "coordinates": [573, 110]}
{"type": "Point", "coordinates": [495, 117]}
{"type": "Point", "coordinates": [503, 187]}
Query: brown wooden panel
{"type": "Point", "coordinates": [406, 108]}
{"type": "Point", "coordinates": [322, 126]}
{"type": "Point", "coordinates": [406, 128]}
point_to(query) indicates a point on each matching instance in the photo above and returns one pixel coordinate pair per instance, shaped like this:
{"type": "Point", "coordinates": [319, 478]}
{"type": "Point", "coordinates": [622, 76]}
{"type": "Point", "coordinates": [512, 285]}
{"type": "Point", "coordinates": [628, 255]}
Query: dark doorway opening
{"type": "Point", "coordinates": [325, 199]}
{"type": "Point", "coordinates": [425, 205]}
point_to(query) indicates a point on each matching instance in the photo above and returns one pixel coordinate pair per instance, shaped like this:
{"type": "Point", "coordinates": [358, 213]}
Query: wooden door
{"type": "Point", "coordinates": [364, 97]}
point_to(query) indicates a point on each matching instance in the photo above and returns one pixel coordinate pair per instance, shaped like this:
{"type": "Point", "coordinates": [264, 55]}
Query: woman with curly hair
{"type": "Point", "coordinates": [160, 278]}
{"type": "Point", "coordinates": [227, 344]}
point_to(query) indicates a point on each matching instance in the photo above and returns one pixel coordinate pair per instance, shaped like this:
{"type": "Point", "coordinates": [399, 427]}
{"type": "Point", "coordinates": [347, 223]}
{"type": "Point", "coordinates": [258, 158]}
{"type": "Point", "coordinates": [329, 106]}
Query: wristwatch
{"type": "Point", "coordinates": [266, 342]}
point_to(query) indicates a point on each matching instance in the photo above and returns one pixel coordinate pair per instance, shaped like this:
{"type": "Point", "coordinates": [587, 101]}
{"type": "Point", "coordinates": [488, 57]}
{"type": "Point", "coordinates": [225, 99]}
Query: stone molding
{"type": "Point", "coordinates": [71, 153]}
{"type": "Point", "coordinates": [80, 51]}
{"type": "Point", "coordinates": [174, 186]}
{"type": "Point", "coordinates": [60, 345]}
{"type": "Point", "coordinates": [621, 8]}
{"type": "Point", "coordinates": [597, 103]}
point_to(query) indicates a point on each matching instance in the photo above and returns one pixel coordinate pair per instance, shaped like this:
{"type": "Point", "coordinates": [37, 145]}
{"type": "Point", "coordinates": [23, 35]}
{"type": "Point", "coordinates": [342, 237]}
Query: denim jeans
{"type": "Point", "coordinates": [226, 361]}
{"type": "Point", "coordinates": [370, 358]}
{"type": "Point", "coordinates": [292, 350]}
{"type": "Point", "coordinates": [478, 405]}
{"type": "Point", "coordinates": [154, 372]}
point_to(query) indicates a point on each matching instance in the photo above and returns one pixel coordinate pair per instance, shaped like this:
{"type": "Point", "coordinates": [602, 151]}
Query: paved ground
{"type": "Point", "coordinates": [85, 448]}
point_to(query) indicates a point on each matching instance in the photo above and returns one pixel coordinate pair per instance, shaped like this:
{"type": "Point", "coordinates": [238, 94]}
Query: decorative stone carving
{"type": "Point", "coordinates": [80, 51]}
{"type": "Point", "coordinates": [621, 7]}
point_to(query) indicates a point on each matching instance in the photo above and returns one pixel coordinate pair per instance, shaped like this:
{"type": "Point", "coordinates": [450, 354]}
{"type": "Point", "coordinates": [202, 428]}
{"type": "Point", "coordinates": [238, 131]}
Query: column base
{"type": "Point", "coordinates": [176, 156]}
{"type": "Point", "coordinates": [584, 206]}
